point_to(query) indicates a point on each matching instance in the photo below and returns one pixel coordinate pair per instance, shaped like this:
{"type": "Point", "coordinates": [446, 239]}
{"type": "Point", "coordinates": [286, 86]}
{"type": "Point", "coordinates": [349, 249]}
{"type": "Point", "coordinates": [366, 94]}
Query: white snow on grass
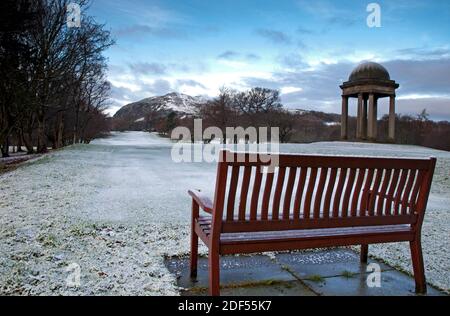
{"type": "Point", "coordinates": [116, 207]}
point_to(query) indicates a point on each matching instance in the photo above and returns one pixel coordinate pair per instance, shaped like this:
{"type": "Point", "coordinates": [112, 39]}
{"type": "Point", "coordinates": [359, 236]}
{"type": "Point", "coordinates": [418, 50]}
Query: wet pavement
{"type": "Point", "coordinates": [321, 272]}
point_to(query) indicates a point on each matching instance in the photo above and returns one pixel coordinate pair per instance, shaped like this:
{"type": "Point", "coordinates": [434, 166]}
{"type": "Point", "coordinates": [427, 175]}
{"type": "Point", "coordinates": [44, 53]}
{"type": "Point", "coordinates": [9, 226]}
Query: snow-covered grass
{"type": "Point", "coordinates": [116, 207]}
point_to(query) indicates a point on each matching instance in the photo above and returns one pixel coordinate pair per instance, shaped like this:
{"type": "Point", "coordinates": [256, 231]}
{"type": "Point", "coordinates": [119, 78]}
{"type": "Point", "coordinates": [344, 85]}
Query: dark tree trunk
{"type": "Point", "coordinates": [60, 132]}
{"type": "Point", "coordinates": [19, 142]}
{"type": "Point", "coordinates": [5, 148]}
{"type": "Point", "coordinates": [42, 143]}
{"type": "Point", "coordinates": [75, 127]}
{"type": "Point", "coordinates": [28, 141]}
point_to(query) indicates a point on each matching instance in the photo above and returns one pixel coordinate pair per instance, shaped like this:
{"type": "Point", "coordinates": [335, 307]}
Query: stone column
{"type": "Point", "coordinates": [344, 118]}
{"type": "Point", "coordinates": [364, 120]}
{"type": "Point", "coordinates": [359, 117]}
{"type": "Point", "coordinates": [392, 118]}
{"type": "Point", "coordinates": [372, 120]}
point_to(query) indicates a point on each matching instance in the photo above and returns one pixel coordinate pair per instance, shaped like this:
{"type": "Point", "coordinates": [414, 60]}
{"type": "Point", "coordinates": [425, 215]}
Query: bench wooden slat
{"type": "Point", "coordinates": [375, 188]}
{"type": "Point", "coordinates": [309, 193]}
{"type": "Point", "coordinates": [382, 193]}
{"type": "Point", "coordinates": [232, 192]}
{"type": "Point", "coordinates": [400, 188]}
{"type": "Point", "coordinates": [255, 193]}
{"type": "Point", "coordinates": [266, 196]}
{"type": "Point", "coordinates": [416, 189]}
{"type": "Point", "coordinates": [364, 204]}
{"type": "Point", "coordinates": [338, 193]}
{"type": "Point", "coordinates": [392, 187]}
{"type": "Point", "coordinates": [278, 192]}
{"type": "Point", "coordinates": [348, 191]}
{"type": "Point", "coordinates": [299, 192]}
{"type": "Point", "coordinates": [315, 161]}
{"type": "Point", "coordinates": [267, 236]}
{"type": "Point", "coordinates": [356, 193]}
{"type": "Point", "coordinates": [244, 192]}
{"type": "Point", "coordinates": [307, 224]}
{"type": "Point", "coordinates": [319, 192]}
{"type": "Point", "coordinates": [407, 192]}
{"type": "Point", "coordinates": [288, 193]}
{"type": "Point", "coordinates": [329, 193]}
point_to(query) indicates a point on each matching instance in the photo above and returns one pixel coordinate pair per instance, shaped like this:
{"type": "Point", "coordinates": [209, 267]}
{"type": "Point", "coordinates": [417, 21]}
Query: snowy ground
{"type": "Point", "coordinates": [116, 207]}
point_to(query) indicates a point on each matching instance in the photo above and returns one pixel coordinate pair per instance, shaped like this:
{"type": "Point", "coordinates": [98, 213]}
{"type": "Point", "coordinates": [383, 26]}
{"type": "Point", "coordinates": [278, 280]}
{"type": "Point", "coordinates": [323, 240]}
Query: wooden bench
{"type": "Point", "coordinates": [311, 202]}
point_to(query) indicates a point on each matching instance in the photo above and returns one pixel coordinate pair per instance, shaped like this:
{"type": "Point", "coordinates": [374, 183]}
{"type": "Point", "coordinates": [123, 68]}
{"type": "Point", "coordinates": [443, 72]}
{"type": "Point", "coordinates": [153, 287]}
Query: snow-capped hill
{"type": "Point", "coordinates": [179, 103]}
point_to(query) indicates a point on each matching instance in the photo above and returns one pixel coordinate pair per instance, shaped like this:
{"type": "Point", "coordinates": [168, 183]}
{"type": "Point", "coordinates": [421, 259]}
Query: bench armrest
{"type": "Point", "coordinates": [202, 200]}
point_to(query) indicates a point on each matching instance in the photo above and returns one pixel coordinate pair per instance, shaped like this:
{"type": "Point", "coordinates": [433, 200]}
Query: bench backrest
{"type": "Point", "coordinates": [307, 192]}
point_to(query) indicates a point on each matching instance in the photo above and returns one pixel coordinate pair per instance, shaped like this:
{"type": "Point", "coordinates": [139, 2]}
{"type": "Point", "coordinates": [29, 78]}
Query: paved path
{"type": "Point", "coordinates": [320, 272]}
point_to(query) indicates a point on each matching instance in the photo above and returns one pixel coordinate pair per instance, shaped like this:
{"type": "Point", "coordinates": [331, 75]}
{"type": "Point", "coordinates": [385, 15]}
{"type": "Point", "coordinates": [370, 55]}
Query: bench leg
{"type": "Point", "coordinates": [214, 273]}
{"type": "Point", "coordinates": [194, 240]}
{"type": "Point", "coordinates": [364, 253]}
{"type": "Point", "coordinates": [194, 254]}
{"type": "Point", "coordinates": [417, 262]}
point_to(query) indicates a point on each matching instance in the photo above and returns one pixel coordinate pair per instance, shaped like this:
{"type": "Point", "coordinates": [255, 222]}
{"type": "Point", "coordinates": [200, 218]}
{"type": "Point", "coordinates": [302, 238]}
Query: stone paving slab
{"type": "Point", "coordinates": [234, 270]}
{"type": "Point", "coordinates": [304, 273]}
{"type": "Point", "coordinates": [325, 263]}
{"type": "Point", "coordinates": [393, 283]}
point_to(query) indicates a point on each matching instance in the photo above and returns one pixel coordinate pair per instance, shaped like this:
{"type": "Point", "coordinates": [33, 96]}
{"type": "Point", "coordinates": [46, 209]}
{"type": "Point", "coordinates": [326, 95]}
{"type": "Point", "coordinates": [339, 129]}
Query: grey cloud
{"type": "Point", "coordinates": [344, 21]}
{"type": "Point", "coordinates": [148, 68]}
{"type": "Point", "coordinates": [229, 54]}
{"type": "Point", "coordinates": [232, 55]}
{"type": "Point", "coordinates": [421, 76]}
{"type": "Point", "coordinates": [160, 32]}
{"type": "Point", "coordinates": [252, 57]}
{"type": "Point", "coordinates": [437, 107]}
{"type": "Point", "coordinates": [189, 82]}
{"type": "Point", "coordinates": [292, 61]}
{"type": "Point", "coordinates": [159, 87]}
{"type": "Point", "coordinates": [274, 36]}
{"type": "Point", "coordinates": [304, 31]}
{"type": "Point", "coordinates": [120, 93]}
{"type": "Point", "coordinates": [436, 52]}
{"type": "Point", "coordinates": [153, 68]}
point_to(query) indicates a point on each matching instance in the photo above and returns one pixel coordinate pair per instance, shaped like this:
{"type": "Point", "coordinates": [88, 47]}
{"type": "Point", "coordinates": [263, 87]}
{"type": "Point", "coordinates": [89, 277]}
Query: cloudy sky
{"type": "Point", "coordinates": [304, 48]}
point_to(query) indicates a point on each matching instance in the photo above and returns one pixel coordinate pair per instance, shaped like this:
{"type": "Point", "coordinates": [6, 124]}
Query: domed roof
{"type": "Point", "coordinates": [369, 70]}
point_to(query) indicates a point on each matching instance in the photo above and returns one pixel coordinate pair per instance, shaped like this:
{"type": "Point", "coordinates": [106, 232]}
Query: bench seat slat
{"type": "Point", "coordinates": [307, 224]}
{"type": "Point", "coordinates": [235, 238]}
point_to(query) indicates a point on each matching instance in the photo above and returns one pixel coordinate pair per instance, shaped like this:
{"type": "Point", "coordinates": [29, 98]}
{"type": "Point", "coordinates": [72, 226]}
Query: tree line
{"type": "Point", "coordinates": [262, 107]}
{"type": "Point", "coordinates": [53, 87]}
